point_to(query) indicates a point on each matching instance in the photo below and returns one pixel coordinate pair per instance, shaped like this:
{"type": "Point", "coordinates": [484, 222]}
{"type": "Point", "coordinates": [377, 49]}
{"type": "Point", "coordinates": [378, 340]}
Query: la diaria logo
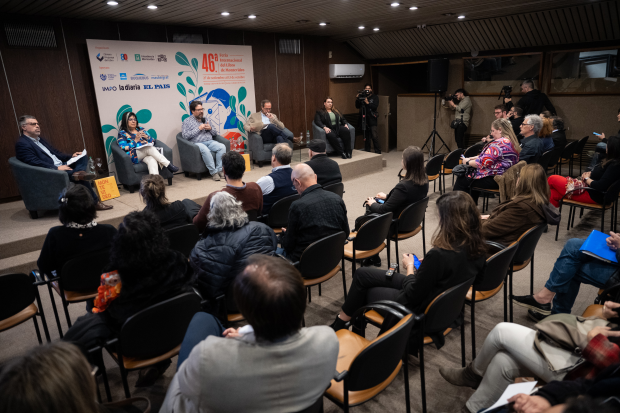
{"type": "Point", "coordinates": [99, 57]}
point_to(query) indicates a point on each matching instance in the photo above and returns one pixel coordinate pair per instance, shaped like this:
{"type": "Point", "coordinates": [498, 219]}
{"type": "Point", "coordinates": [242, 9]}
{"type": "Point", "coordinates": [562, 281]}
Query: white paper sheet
{"type": "Point", "coordinates": [75, 159]}
{"type": "Point", "coordinates": [513, 390]}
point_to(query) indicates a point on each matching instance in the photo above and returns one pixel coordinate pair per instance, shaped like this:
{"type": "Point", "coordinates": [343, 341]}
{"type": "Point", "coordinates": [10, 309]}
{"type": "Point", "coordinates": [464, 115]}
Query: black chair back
{"type": "Point", "coordinates": [252, 215]}
{"type": "Point", "coordinates": [581, 144]}
{"type": "Point", "coordinates": [497, 268]}
{"type": "Point", "coordinates": [373, 232]}
{"type": "Point", "coordinates": [322, 256]}
{"type": "Point", "coordinates": [84, 272]}
{"type": "Point", "coordinates": [433, 166]}
{"type": "Point", "coordinates": [278, 215]}
{"type": "Point", "coordinates": [374, 364]}
{"type": "Point", "coordinates": [412, 216]}
{"type": "Point", "coordinates": [569, 150]}
{"type": "Point", "coordinates": [527, 243]}
{"type": "Point", "coordinates": [452, 159]}
{"type": "Point", "coordinates": [611, 195]}
{"type": "Point", "coordinates": [183, 238]}
{"type": "Point", "coordinates": [545, 158]}
{"type": "Point", "coordinates": [16, 293]}
{"type": "Point", "coordinates": [337, 188]}
{"type": "Point", "coordinates": [474, 150]}
{"type": "Point", "coordinates": [446, 307]}
{"type": "Point", "coordinates": [159, 328]}
{"type": "Point", "coordinates": [554, 158]}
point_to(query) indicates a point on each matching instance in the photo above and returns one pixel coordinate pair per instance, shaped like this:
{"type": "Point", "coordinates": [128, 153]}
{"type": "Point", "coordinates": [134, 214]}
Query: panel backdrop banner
{"type": "Point", "coordinates": [157, 81]}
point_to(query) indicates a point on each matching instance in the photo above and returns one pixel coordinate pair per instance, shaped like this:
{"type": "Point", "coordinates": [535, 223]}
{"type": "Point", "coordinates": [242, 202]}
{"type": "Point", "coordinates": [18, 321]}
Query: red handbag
{"type": "Point", "coordinates": [574, 184]}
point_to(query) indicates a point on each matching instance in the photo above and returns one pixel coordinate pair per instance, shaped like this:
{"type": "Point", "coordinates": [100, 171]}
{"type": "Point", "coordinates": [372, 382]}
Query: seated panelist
{"type": "Point", "coordinates": [268, 126]}
{"type": "Point", "coordinates": [335, 126]}
{"type": "Point", "coordinates": [138, 144]}
{"type": "Point", "coordinates": [33, 150]}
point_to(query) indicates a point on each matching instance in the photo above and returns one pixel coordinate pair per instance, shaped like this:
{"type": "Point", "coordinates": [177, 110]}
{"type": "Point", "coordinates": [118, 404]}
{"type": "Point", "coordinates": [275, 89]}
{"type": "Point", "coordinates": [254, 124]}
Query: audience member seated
{"type": "Point", "coordinates": [170, 214]}
{"type": "Point", "coordinates": [509, 352]}
{"type": "Point", "coordinates": [150, 272]}
{"type": "Point", "coordinates": [602, 177]}
{"type": "Point", "coordinates": [268, 126]}
{"type": "Point", "coordinates": [412, 188]}
{"type": "Point", "coordinates": [570, 270]}
{"type": "Point", "coordinates": [513, 218]}
{"type": "Point", "coordinates": [277, 184]}
{"type": "Point", "coordinates": [79, 233]}
{"type": "Point", "coordinates": [55, 378]}
{"type": "Point", "coordinates": [599, 153]}
{"type": "Point", "coordinates": [201, 131]}
{"type": "Point", "coordinates": [458, 254]}
{"type": "Point", "coordinates": [335, 126]}
{"type": "Point", "coordinates": [225, 245]}
{"type": "Point", "coordinates": [326, 169]}
{"type": "Point", "coordinates": [558, 135]}
{"type": "Point", "coordinates": [496, 157]}
{"type": "Point", "coordinates": [315, 215]}
{"type": "Point", "coordinates": [516, 119]}
{"type": "Point", "coordinates": [545, 135]}
{"type": "Point", "coordinates": [531, 144]}
{"type": "Point", "coordinates": [33, 150]}
{"type": "Point", "coordinates": [270, 365]}
{"type": "Point", "coordinates": [138, 144]}
{"type": "Point", "coordinates": [249, 194]}
{"type": "Point", "coordinates": [500, 112]}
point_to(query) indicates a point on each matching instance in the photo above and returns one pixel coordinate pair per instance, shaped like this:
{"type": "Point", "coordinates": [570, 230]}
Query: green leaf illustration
{"type": "Point", "coordinates": [200, 89]}
{"type": "Point", "coordinates": [182, 106]}
{"type": "Point", "coordinates": [107, 128]}
{"type": "Point", "coordinates": [242, 109]}
{"type": "Point", "coordinates": [119, 114]}
{"type": "Point", "coordinates": [190, 91]}
{"type": "Point", "coordinates": [248, 115]}
{"type": "Point", "coordinates": [190, 81]}
{"type": "Point", "coordinates": [184, 117]}
{"type": "Point", "coordinates": [233, 103]}
{"type": "Point", "coordinates": [195, 63]}
{"type": "Point", "coordinates": [108, 142]}
{"type": "Point", "coordinates": [144, 116]}
{"type": "Point", "coordinates": [242, 93]}
{"type": "Point", "coordinates": [181, 59]}
{"type": "Point", "coordinates": [181, 89]}
{"type": "Point", "coordinates": [240, 127]}
{"type": "Point", "coordinates": [152, 133]}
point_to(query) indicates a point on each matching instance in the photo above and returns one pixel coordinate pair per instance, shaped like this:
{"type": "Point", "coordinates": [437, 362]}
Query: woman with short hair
{"type": "Point", "coordinates": [229, 239]}
{"type": "Point", "coordinates": [335, 126]}
{"type": "Point", "coordinates": [545, 135]}
{"type": "Point", "coordinates": [496, 157]}
{"type": "Point", "coordinates": [170, 214]}
{"type": "Point", "coordinates": [79, 233]}
{"type": "Point", "coordinates": [139, 145]}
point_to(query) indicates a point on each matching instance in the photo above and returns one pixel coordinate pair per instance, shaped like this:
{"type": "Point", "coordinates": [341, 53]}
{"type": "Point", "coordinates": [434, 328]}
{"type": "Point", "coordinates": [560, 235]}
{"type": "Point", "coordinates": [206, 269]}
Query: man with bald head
{"type": "Point", "coordinates": [316, 214]}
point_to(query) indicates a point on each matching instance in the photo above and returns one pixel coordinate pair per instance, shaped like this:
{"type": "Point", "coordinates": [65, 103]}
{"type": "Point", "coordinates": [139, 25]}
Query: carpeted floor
{"type": "Point", "coordinates": [441, 396]}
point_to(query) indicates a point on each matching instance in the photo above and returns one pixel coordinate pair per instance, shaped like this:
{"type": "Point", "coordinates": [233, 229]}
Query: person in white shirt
{"type": "Point", "coordinates": [268, 126]}
{"type": "Point", "coordinates": [277, 184]}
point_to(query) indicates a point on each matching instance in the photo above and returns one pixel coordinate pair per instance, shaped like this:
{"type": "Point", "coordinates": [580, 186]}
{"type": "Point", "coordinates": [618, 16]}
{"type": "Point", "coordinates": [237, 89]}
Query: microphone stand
{"type": "Point", "coordinates": [434, 133]}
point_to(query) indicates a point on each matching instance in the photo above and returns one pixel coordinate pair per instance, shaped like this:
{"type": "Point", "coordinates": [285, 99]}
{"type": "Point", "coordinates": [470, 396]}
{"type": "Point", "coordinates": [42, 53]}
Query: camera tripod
{"type": "Point", "coordinates": [434, 133]}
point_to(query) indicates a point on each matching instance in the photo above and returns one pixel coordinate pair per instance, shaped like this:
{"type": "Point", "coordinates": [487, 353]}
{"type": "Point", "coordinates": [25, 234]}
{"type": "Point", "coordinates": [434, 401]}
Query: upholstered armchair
{"type": "Point", "coordinates": [130, 174]}
{"type": "Point", "coordinates": [191, 159]}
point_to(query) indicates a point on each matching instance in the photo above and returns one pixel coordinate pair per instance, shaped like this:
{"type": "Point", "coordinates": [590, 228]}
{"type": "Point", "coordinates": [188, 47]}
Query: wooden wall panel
{"type": "Point", "coordinates": [290, 72]}
{"type": "Point", "coordinates": [264, 62]}
{"type": "Point", "coordinates": [139, 32]}
{"type": "Point", "coordinates": [316, 68]}
{"type": "Point", "coordinates": [8, 137]}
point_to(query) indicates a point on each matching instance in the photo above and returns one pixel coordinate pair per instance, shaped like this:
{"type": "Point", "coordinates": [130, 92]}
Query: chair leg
{"type": "Point", "coordinates": [603, 220]}
{"type": "Point", "coordinates": [388, 250]}
{"type": "Point", "coordinates": [406, 378]}
{"type": "Point", "coordinates": [199, 177]}
{"type": "Point", "coordinates": [397, 260]}
{"type": "Point", "coordinates": [510, 294]}
{"type": "Point", "coordinates": [345, 389]}
{"type": "Point", "coordinates": [532, 275]}
{"type": "Point", "coordinates": [42, 315]}
{"type": "Point", "coordinates": [65, 305]}
{"type": "Point", "coordinates": [581, 213]}
{"type": "Point", "coordinates": [36, 328]}
{"type": "Point", "coordinates": [169, 181]}
{"type": "Point", "coordinates": [353, 262]}
{"type": "Point", "coordinates": [104, 375]}
{"type": "Point", "coordinates": [49, 287]}
{"type": "Point", "coordinates": [463, 336]}
{"type": "Point", "coordinates": [473, 323]}
{"type": "Point", "coordinates": [570, 214]}
{"type": "Point", "coordinates": [124, 374]}
{"type": "Point", "coordinates": [422, 381]}
{"type": "Point", "coordinates": [344, 280]}
{"type": "Point", "coordinates": [557, 228]}
{"type": "Point", "coordinates": [309, 294]}
{"type": "Point", "coordinates": [506, 299]}
{"type": "Point", "coordinates": [423, 236]}
{"type": "Point", "coordinates": [319, 290]}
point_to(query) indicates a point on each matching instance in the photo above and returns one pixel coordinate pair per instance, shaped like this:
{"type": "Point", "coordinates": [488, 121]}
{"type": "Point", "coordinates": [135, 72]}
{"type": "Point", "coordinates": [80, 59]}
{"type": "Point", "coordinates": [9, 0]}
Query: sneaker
{"type": "Point", "coordinates": [221, 174]}
{"type": "Point", "coordinates": [535, 315]}
{"type": "Point", "coordinates": [215, 176]}
{"type": "Point", "coordinates": [528, 301]}
{"type": "Point", "coordinates": [172, 168]}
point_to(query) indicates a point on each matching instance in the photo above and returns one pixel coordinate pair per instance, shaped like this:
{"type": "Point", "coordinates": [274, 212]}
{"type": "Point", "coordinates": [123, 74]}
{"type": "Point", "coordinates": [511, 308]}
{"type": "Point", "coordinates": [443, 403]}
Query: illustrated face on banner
{"type": "Point", "coordinates": [217, 113]}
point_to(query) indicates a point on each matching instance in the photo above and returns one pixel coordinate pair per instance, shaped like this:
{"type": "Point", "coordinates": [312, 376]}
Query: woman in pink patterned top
{"type": "Point", "coordinates": [496, 157]}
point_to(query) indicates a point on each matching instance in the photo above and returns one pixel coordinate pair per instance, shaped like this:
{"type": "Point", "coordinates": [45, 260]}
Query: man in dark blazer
{"type": "Point", "coordinates": [327, 170]}
{"type": "Point", "coordinates": [33, 150]}
{"type": "Point", "coordinates": [558, 135]}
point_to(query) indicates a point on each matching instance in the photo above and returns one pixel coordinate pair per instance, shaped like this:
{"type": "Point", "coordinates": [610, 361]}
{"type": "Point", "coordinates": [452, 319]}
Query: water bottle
{"type": "Point", "coordinates": [307, 137]}
{"type": "Point", "coordinates": [91, 165]}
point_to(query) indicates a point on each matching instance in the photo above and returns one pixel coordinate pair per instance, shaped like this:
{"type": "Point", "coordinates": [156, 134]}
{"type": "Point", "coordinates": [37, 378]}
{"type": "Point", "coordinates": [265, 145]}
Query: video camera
{"type": "Point", "coordinates": [363, 94]}
{"type": "Point", "coordinates": [452, 98]}
{"type": "Point", "coordinates": [506, 90]}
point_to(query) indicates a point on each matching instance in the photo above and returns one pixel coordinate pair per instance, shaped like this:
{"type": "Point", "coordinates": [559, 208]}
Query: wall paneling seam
{"type": "Point", "coordinates": [275, 52]}
{"type": "Point", "coordinates": [8, 87]}
{"type": "Point", "coordinates": [303, 64]}
{"type": "Point", "coordinates": [77, 107]}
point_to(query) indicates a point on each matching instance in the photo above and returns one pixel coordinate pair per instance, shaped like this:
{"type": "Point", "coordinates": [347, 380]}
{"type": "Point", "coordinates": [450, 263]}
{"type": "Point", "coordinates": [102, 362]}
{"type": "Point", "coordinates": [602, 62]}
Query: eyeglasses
{"type": "Point", "coordinates": [199, 110]}
{"type": "Point", "coordinates": [132, 120]}
{"type": "Point", "coordinates": [33, 124]}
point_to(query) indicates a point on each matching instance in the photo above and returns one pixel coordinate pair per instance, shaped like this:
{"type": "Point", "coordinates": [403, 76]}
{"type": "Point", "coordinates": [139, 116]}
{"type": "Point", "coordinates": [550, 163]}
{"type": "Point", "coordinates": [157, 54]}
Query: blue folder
{"type": "Point", "coordinates": [596, 246]}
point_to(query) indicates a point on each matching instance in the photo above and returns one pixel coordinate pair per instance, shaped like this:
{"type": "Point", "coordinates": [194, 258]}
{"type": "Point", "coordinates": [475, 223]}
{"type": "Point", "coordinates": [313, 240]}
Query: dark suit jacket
{"type": "Point", "coordinates": [29, 153]}
{"type": "Point", "coordinates": [327, 170]}
{"type": "Point", "coordinates": [531, 149]}
{"type": "Point", "coordinates": [322, 119]}
{"type": "Point", "coordinates": [559, 138]}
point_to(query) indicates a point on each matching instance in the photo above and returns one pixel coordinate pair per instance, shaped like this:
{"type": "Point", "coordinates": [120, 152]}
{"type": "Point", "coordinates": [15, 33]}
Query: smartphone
{"type": "Point", "coordinates": [380, 201]}
{"type": "Point", "coordinates": [416, 262]}
{"type": "Point", "coordinates": [597, 134]}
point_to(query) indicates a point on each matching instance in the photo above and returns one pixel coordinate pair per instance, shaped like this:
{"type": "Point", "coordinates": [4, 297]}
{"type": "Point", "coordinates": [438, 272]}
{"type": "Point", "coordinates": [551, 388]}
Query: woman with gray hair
{"type": "Point", "coordinates": [229, 239]}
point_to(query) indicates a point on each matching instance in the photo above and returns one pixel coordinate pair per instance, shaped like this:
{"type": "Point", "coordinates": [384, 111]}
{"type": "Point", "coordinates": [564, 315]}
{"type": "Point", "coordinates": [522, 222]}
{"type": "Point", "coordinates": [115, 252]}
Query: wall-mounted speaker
{"type": "Point", "coordinates": [30, 35]}
{"type": "Point", "coordinates": [438, 75]}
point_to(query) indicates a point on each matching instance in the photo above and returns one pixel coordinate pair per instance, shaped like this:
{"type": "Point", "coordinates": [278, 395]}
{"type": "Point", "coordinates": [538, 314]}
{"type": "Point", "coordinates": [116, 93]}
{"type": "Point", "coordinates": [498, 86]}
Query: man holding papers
{"type": "Point", "coordinates": [573, 267]}
{"type": "Point", "coordinates": [33, 150]}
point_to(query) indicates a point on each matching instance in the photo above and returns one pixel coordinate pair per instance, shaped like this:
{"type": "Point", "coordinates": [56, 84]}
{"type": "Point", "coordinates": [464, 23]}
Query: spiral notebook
{"type": "Point", "coordinates": [596, 246]}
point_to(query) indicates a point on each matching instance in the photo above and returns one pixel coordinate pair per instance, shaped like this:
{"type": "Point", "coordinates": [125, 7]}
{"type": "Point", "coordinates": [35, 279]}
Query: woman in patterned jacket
{"type": "Point", "coordinates": [496, 157]}
{"type": "Point", "coordinates": [138, 144]}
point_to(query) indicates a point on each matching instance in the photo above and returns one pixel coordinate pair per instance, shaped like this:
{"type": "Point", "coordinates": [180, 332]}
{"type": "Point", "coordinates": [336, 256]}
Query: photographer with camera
{"type": "Point", "coordinates": [367, 103]}
{"type": "Point", "coordinates": [461, 104]}
{"type": "Point", "coordinates": [533, 101]}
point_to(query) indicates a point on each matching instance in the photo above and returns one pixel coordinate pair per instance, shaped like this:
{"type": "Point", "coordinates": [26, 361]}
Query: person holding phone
{"type": "Point", "coordinates": [458, 254]}
{"type": "Point", "coordinates": [599, 152]}
{"type": "Point", "coordinates": [412, 188]}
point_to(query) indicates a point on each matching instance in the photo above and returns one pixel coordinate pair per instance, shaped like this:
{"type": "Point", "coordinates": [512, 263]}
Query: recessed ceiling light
{"type": "Point", "coordinates": [252, 16]}
{"type": "Point", "coordinates": [152, 7]}
{"type": "Point", "coordinates": [361, 27]}
{"type": "Point", "coordinates": [225, 13]}
{"type": "Point", "coordinates": [413, 8]}
{"type": "Point", "coordinates": [322, 24]}
{"type": "Point", "coordinates": [461, 17]}
{"type": "Point", "coordinates": [376, 29]}
{"type": "Point", "coordinates": [394, 4]}
{"type": "Point", "coordinates": [112, 3]}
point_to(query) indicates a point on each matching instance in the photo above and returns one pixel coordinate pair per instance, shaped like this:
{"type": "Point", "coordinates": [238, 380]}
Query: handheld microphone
{"type": "Point", "coordinates": [203, 120]}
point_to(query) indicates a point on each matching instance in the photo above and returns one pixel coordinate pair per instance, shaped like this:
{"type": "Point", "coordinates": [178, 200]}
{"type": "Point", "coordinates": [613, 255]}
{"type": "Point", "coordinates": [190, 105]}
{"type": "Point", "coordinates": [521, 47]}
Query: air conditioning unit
{"type": "Point", "coordinates": [346, 71]}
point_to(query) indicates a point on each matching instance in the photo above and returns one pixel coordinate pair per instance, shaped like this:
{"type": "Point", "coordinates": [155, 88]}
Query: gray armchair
{"type": "Point", "coordinates": [261, 152]}
{"type": "Point", "coordinates": [39, 187]}
{"type": "Point", "coordinates": [319, 133]}
{"type": "Point", "coordinates": [191, 159]}
{"type": "Point", "coordinates": [130, 174]}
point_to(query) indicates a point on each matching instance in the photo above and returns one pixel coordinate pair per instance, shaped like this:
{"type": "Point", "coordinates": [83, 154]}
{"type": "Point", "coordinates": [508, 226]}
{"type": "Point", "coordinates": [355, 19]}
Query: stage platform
{"type": "Point", "coordinates": [22, 237]}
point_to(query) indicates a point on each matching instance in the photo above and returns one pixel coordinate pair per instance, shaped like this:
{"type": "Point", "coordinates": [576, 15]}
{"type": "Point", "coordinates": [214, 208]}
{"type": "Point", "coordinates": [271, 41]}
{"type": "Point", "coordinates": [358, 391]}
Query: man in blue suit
{"type": "Point", "coordinates": [31, 149]}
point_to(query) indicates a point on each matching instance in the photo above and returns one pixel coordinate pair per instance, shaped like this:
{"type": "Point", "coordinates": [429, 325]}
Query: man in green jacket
{"type": "Point", "coordinates": [462, 112]}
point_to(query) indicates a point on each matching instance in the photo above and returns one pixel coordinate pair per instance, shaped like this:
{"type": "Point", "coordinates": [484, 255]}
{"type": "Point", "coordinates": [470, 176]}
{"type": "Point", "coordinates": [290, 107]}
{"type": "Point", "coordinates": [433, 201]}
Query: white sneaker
{"type": "Point", "coordinates": [221, 173]}
{"type": "Point", "coordinates": [215, 177]}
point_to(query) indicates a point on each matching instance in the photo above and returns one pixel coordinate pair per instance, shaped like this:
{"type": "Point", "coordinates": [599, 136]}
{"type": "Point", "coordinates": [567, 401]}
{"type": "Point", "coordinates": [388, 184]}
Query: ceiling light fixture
{"type": "Point", "coordinates": [394, 4]}
{"type": "Point", "coordinates": [112, 3]}
{"type": "Point", "coordinates": [152, 7]}
{"type": "Point", "coordinates": [361, 27]}
{"type": "Point", "coordinates": [225, 13]}
{"type": "Point", "coordinates": [413, 8]}
{"type": "Point", "coordinates": [322, 24]}
{"type": "Point", "coordinates": [252, 16]}
{"type": "Point", "coordinates": [376, 29]}
{"type": "Point", "coordinates": [461, 17]}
